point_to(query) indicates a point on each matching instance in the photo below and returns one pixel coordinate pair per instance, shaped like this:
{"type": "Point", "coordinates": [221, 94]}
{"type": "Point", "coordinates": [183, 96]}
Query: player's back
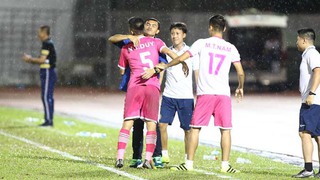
{"type": "Point", "coordinates": [139, 58]}
{"type": "Point", "coordinates": [216, 56]}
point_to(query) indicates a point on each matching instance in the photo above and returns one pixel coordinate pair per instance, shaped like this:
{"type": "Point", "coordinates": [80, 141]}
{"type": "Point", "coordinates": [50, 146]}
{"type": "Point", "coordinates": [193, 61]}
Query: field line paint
{"type": "Point", "coordinates": [213, 173]}
{"type": "Point", "coordinates": [70, 156]}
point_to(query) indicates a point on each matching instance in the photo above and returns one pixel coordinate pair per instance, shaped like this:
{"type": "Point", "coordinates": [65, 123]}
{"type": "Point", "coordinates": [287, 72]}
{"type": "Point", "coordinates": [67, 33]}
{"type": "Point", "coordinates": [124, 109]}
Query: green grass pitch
{"type": "Point", "coordinates": [20, 160]}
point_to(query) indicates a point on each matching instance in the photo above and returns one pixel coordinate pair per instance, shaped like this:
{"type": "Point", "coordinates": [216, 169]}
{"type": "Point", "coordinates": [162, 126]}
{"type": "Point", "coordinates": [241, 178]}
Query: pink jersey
{"type": "Point", "coordinates": [215, 58]}
{"type": "Point", "coordinates": [144, 56]}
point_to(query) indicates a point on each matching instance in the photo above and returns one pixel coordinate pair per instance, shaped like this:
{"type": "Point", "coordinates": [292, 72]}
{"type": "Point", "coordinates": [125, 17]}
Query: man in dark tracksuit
{"type": "Point", "coordinates": [47, 62]}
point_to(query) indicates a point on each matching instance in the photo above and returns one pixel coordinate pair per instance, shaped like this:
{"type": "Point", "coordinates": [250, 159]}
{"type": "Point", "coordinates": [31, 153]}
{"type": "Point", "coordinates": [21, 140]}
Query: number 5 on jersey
{"type": "Point", "coordinates": [145, 60]}
{"type": "Point", "coordinates": [213, 65]}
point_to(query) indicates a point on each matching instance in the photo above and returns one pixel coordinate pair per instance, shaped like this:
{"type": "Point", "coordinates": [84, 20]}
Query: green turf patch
{"type": "Point", "coordinates": [20, 160]}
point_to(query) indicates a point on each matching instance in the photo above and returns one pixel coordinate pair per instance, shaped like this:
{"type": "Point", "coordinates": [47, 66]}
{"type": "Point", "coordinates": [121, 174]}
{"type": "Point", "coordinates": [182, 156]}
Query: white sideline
{"type": "Point", "coordinates": [67, 155]}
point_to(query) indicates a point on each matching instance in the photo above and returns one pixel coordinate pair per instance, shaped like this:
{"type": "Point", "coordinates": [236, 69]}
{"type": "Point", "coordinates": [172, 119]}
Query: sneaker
{"type": "Point", "coordinates": [317, 175]}
{"type": "Point", "coordinates": [158, 162]}
{"type": "Point", "coordinates": [229, 169]}
{"type": "Point", "coordinates": [119, 163]}
{"type": "Point", "coordinates": [134, 163]}
{"type": "Point", "coordinates": [146, 165]}
{"type": "Point", "coordinates": [46, 124]}
{"type": "Point", "coordinates": [181, 167]}
{"type": "Point", "coordinates": [166, 159]}
{"type": "Point", "coordinates": [304, 174]}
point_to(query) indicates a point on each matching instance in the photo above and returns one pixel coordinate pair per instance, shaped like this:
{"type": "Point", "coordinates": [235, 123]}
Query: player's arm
{"type": "Point", "coordinates": [123, 63]}
{"type": "Point", "coordinates": [29, 59]}
{"type": "Point", "coordinates": [121, 37]}
{"type": "Point", "coordinates": [161, 75]}
{"type": "Point", "coordinates": [240, 73]}
{"type": "Point", "coordinates": [196, 75]}
{"type": "Point", "coordinates": [315, 82]}
{"type": "Point", "coordinates": [176, 61]}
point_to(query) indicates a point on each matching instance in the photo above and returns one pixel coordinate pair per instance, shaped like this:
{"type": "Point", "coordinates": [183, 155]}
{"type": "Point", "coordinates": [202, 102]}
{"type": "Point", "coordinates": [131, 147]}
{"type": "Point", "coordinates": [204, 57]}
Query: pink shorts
{"type": "Point", "coordinates": [218, 106]}
{"type": "Point", "coordinates": [142, 102]}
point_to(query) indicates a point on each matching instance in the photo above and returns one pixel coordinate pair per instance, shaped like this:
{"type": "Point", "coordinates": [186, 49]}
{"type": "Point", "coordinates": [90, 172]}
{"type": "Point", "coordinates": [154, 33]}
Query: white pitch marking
{"type": "Point", "coordinates": [212, 173]}
{"type": "Point", "coordinates": [70, 156]}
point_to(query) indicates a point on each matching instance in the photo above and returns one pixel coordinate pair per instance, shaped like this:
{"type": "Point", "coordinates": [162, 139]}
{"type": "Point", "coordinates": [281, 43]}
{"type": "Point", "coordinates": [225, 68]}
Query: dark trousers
{"type": "Point", "coordinates": [48, 79]}
{"type": "Point", "coordinates": [137, 140]}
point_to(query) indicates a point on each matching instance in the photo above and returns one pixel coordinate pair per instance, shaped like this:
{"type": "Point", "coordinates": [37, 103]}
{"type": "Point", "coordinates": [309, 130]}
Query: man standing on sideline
{"type": "Point", "coordinates": [178, 92]}
{"type": "Point", "coordinates": [310, 93]}
{"type": "Point", "coordinates": [213, 91]}
{"type": "Point", "coordinates": [47, 62]}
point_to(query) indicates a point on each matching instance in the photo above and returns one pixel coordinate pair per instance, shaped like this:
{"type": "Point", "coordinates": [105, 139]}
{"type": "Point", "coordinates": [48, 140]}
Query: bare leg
{"type": "Point", "coordinates": [164, 135]}
{"type": "Point", "coordinates": [307, 146]}
{"type": "Point", "coordinates": [225, 143]}
{"type": "Point", "coordinates": [193, 142]}
{"type": "Point", "coordinates": [186, 141]}
{"type": "Point", "coordinates": [127, 124]}
{"type": "Point", "coordinates": [318, 143]}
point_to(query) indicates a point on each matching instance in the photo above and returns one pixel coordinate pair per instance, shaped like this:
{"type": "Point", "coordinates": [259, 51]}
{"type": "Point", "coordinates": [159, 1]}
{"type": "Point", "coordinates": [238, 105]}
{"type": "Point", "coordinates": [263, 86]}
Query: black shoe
{"type": "Point", "coordinates": [304, 174]}
{"type": "Point", "coordinates": [119, 163]}
{"type": "Point", "coordinates": [46, 124]}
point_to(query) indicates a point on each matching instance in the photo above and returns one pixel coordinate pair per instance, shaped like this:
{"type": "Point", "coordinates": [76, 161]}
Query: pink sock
{"type": "Point", "coordinates": [122, 142]}
{"type": "Point", "coordinates": [151, 140]}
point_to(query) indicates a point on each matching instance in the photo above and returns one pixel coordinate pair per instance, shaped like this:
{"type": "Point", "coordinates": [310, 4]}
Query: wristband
{"type": "Point", "coordinates": [312, 93]}
{"type": "Point", "coordinates": [156, 70]}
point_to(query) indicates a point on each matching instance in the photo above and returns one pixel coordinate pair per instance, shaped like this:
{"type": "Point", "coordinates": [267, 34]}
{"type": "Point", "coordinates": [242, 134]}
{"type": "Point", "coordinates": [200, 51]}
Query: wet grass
{"type": "Point", "coordinates": [20, 160]}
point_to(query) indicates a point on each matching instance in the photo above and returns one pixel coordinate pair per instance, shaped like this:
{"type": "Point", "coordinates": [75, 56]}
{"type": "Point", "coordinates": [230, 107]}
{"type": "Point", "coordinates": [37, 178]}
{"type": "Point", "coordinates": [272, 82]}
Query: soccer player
{"type": "Point", "coordinates": [213, 92]}
{"type": "Point", "coordinates": [151, 29]}
{"type": "Point", "coordinates": [47, 62]}
{"type": "Point", "coordinates": [142, 98]}
{"type": "Point", "coordinates": [310, 94]}
{"type": "Point", "coordinates": [178, 92]}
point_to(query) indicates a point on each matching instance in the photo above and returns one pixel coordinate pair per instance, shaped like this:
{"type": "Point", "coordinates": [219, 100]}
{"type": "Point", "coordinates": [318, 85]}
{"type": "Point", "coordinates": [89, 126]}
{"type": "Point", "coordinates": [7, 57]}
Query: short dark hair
{"type": "Point", "coordinates": [218, 22]}
{"type": "Point", "coordinates": [307, 33]}
{"type": "Point", "coordinates": [179, 25]}
{"type": "Point", "coordinates": [136, 24]}
{"type": "Point", "coordinates": [154, 19]}
{"type": "Point", "coordinates": [45, 28]}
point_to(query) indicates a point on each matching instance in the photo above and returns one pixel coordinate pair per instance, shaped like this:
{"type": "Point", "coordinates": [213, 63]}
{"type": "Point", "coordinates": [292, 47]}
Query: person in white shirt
{"type": "Point", "coordinates": [309, 125]}
{"type": "Point", "coordinates": [178, 92]}
{"type": "Point", "coordinates": [213, 91]}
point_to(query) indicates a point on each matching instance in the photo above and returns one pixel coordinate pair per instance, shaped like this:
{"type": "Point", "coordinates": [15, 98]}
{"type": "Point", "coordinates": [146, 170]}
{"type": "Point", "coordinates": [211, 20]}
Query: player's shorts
{"type": "Point", "coordinates": [170, 106]}
{"type": "Point", "coordinates": [218, 106]}
{"type": "Point", "coordinates": [142, 102]}
{"type": "Point", "coordinates": [310, 119]}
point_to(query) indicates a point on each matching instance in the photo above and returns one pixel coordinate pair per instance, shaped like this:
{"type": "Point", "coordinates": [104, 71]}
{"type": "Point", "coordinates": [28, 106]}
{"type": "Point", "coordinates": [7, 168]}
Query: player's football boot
{"type": "Point", "coordinates": [134, 163]}
{"type": "Point", "coordinates": [146, 165]}
{"type": "Point", "coordinates": [46, 124]}
{"type": "Point", "coordinates": [181, 167]}
{"type": "Point", "coordinates": [158, 162]}
{"type": "Point", "coordinates": [229, 169]}
{"type": "Point", "coordinates": [317, 175]}
{"type": "Point", "coordinates": [166, 159]}
{"type": "Point", "coordinates": [304, 174]}
{"type": "Point", "coordinates": [119, 163]}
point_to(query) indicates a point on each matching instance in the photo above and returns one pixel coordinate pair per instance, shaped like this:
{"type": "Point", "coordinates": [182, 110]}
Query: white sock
{"type": "Point", "coordinates": [224, 164]}
{"type": "Point", "coordinates": [185, 157]}
{"type": "Point", "coordinates": [189, 164]}
{"type": "Point", "coordinates": [165, 153]}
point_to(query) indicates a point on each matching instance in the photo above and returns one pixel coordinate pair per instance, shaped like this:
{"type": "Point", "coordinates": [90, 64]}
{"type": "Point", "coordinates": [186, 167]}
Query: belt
{"type": "Point", "coordinates": [45, 66]}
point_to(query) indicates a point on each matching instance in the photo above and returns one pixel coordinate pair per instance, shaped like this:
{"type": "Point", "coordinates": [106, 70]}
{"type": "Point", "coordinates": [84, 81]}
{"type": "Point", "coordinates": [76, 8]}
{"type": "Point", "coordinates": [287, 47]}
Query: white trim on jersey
{"type": "Point", "coordinates": [46, 88]}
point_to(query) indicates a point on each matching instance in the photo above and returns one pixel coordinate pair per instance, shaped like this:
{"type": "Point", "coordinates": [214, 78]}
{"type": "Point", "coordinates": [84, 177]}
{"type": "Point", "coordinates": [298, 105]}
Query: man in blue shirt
{"type": "Point", "coordinates": [47, 63]}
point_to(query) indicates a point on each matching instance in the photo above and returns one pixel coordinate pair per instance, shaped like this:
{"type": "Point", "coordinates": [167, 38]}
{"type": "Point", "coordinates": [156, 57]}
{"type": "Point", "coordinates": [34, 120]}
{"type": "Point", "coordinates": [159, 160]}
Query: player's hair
{"type": "Point", "coordinates": [218, 22]}
{"type": "Point", "coordinates": [179, 25]}
{"type": "Point", "coordinates": [307, 33]}
{"type": "Point", "coordinates": [136, 24]}
{"type": "Point", "coordinates": [45, 28]}
{"type": "Point", "coordinates": [154, 19]}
